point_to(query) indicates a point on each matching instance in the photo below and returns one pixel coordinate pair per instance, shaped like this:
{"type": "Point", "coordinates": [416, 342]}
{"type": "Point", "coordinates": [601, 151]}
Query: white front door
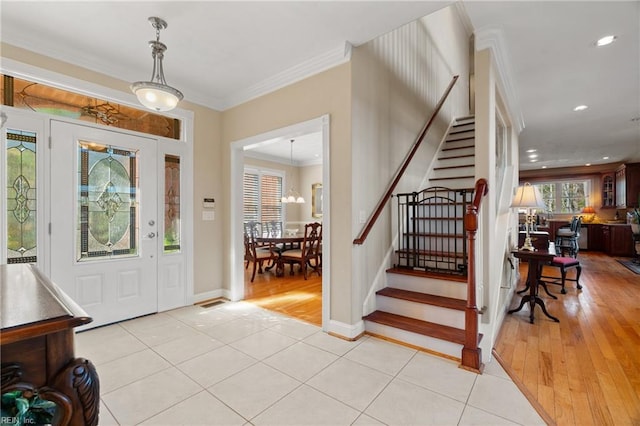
{"type": "Point", "coordinates": [104, 220]}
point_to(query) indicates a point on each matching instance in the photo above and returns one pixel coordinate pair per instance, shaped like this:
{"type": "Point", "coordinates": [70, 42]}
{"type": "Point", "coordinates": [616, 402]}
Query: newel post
{"type": "Point", "coordinates": [471, 353]}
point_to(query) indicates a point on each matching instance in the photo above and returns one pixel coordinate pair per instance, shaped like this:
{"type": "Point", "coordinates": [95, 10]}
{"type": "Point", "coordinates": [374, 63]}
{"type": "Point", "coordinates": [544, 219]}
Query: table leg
{"type": "Point", "coordinates": [532, 298]}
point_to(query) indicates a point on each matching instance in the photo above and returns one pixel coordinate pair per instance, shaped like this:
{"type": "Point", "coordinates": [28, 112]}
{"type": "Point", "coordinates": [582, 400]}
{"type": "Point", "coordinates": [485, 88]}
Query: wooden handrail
{"type": "Point", "coordinates": [471, 353]}
{"type": "Point", "coordinates": [387, 195]}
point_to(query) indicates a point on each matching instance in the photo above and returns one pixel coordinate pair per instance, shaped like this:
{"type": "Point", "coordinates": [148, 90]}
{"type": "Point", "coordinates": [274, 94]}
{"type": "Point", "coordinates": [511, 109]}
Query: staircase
{"type": "Point", "coordinates": [425, 299]}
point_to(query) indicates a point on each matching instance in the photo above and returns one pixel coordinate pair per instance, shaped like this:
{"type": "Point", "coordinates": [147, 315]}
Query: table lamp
{"type": "Point", "coordinates": [590, 214]}
{"type": "Point", "coordinates": [528, 197]}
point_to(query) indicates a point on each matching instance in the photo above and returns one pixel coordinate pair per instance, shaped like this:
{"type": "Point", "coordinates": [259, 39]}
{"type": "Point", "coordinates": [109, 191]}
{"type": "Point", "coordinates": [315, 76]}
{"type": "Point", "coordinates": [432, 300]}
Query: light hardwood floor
{"type": "Point", "coordinates": [290, 295]}
{"type": "Point", "coordinates": [584, 370]}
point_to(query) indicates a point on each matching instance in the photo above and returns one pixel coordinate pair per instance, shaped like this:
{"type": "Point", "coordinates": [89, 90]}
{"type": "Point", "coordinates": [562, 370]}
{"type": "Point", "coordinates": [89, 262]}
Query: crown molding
{"type": "Point", "coordinates": [296, 73]}
{"type": "Point", "coordinates": [493, 39]}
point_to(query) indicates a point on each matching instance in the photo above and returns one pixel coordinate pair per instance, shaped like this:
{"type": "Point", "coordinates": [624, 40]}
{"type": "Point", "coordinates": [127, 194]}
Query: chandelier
{"type": "Point", "coordinates": [292, 196]}
{"type": "Point", "coordinates": [156, 94]}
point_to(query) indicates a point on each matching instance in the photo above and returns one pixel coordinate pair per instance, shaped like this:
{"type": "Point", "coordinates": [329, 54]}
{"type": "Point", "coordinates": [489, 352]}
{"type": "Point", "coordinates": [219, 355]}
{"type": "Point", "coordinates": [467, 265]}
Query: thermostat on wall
{"type": "Point", "coordinates": [209, 203]}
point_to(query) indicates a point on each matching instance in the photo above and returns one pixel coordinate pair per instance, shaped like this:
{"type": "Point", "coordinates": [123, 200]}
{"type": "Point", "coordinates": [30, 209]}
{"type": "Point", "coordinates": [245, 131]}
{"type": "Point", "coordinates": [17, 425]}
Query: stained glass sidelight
{"type": "Point", "coordinates": [171, 204]}
{"type": "Point", "coordinates": [21, 197]}
{"type": "Point", "coordinates": [107, 202]}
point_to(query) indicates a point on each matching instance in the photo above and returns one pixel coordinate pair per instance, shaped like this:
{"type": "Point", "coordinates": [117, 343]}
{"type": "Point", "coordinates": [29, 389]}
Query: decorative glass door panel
{"type": "Point", "coordinates": [171, 204]}
{"type": "Point", "coordinates": [108, 210]}
{"type": "Point", "coordinates": [21, 200]}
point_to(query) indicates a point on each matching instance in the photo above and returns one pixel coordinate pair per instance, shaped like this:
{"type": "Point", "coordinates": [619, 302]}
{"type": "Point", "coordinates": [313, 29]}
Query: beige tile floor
{"type": "Point", "coordinates": [237, 364]}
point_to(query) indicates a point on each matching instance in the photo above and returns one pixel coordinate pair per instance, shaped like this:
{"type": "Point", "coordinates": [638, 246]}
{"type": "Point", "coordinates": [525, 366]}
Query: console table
{"type": "Point", "coordinates": [36, 342]}
{"type": "Point", "coordinates": [536, 260]}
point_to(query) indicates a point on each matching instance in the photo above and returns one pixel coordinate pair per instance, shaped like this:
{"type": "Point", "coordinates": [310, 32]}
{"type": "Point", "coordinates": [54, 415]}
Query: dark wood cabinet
{"type": "Point", "coordinates": [594, 238]}
{"type": "Point", "coordinates": [608, 190]}
{"type": "Point", "coordinates": [627, 189]}
{"type": "Point", "coordinates": [617, 240]}
{"type": "Point", "coordinates": [36, 340]}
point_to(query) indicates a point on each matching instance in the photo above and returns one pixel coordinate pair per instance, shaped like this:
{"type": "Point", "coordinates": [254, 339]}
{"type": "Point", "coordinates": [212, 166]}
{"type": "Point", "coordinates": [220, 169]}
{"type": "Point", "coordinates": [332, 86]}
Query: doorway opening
{"type": "Point", "coordinates": [291, 295]}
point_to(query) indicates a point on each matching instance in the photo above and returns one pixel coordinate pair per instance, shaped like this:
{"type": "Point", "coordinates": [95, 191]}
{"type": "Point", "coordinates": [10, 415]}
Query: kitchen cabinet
{"type": "Point", "coordinates": [594, 240]}
{"type": "Point", "coordinates": [627, 188]}
{"type": "Point", "coordinates": [617, 240]}
{"type": "Point", "coordinates": [608, 190]}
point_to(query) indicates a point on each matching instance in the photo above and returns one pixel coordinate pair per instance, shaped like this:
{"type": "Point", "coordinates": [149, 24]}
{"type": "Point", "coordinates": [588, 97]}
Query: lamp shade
{"type": "Point", "coordinates": [158, 97]}
{"type": "Point", "coordinates": [528, 196]}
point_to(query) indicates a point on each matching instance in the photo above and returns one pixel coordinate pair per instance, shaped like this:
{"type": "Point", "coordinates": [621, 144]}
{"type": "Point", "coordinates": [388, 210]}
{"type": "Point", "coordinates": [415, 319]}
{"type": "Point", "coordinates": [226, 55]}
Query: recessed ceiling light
{"type": "Point", "coordinates": [533, 161]}
{"type": "Point", "coordinates": [533, 156]}
{"type": "Point", "coordinates": [588, 164]}
{"type": "Point", "coordinates": [544, 167]}
{"type": "Point", "coordinates": [580, 108]}
{"type": "Point", "coordinates": [605, 158]}
{"type": "Point", "coordinates": [606, 40]}
{"type": "Point", "coordinates": [531, 150]}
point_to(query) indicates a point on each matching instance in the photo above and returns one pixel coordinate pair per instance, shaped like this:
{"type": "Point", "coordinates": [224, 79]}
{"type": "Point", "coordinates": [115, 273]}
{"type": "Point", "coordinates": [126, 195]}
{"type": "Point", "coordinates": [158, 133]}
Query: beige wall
{"type": "Point", "coordinates": [207, 176]}
{"type": "Point", "coordinates": [326, 93]}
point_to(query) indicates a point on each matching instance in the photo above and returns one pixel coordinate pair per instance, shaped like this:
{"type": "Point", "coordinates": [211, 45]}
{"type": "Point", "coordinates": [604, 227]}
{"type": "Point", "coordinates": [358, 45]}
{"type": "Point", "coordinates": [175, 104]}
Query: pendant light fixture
{"type": "Point", "coordinates": [292, 196]}
{"type": "Point", "coordinates": [156, 94]}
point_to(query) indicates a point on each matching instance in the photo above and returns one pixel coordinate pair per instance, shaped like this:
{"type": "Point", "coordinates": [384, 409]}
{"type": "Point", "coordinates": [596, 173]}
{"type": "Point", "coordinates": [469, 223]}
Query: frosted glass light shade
{"type": "Point", "coordinates": [155, 96]}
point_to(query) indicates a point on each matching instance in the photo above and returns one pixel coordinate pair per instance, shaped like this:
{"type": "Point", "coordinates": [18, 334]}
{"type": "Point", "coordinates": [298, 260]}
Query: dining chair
{"type": "Point", "coordinates": [567, 237]}
{"type": "Point", "coordinates": [308, 255]}
{"type": "Point", "coordinates": [273, 229]}
{"type": "Point", "coordinates": [258, 255]}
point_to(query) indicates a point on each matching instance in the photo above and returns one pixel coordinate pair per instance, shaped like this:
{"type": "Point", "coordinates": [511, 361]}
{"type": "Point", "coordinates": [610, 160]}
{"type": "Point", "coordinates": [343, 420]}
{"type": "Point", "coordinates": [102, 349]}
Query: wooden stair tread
{"type": "Point", "coordinates": [428, 274]}
{"type": "Point", "coordinates": [456, 156]}
{"type": "Point", "coordinates": [458, 139]}
{"type": "Point", "coordinates": [462, 166]}
{"type": "Point", "coordinates": [457, 147]}
{"type": "Point", "coordinates": [454, 177]}
{"type": "Point", "coordinates": [439, 331]}
{"type": "Point", "coordinates": [424, 298]}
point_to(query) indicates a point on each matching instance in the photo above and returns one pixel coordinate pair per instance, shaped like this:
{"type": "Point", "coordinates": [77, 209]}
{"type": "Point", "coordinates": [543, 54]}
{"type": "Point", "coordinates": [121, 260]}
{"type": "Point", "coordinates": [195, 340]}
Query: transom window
{"type": "Point", "coordinates": [262, 191]}
{"type": "Point", "coordinates": [566, 196]}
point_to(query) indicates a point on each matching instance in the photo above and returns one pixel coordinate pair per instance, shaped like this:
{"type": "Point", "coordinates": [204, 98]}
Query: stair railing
{"type": "Point", "coordinates": [387, 195]}
{"type": "Point", "coordinates": [471, 353]}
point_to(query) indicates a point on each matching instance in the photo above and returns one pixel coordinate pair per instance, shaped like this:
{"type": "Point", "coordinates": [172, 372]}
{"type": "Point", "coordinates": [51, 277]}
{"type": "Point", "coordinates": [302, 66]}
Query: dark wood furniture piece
{"type": "Point", "coordinates": [308, 255]}
{"type": "Point", "coordinates": [608, 190]}
{"type": "Point", "coordinates": [564, 264]}
{"type": "Point", "coordinates": [539, 239]}
{"type": "Point", "coordinates": [285, 241]}
{"type": "Point", "coordinates": [627, 185]}
{"type": "Point", "coordinates": [36, 339]}
{"type": "Point", "coordinates": [536, 260]}
{"type": "Point", "coordinates": [617, 240]}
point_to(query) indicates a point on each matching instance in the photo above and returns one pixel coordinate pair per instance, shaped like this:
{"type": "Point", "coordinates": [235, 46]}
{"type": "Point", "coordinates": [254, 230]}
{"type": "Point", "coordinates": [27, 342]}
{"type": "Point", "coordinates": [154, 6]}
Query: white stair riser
{"type": "Point", "coordinates": [426, 342]}
{"type": "Point", "coordinates": [453, 162]}
{"type": "Point", "coordinates": [464, 151]}
{"type": "Point", "coordinates": [468, 134]}
{"type": "Point", "coordinates": [454, 289]}
{"type": "Point", "coordinates": [459, 127]}
{"type": "Point", "coordinates": [459, 144]}
{"type": "Point", "coordinates": [468, 170]}
{"type": "Point", "coordinates": [430, 313]}
{"type": "Point", "coordinates": [461, 183]}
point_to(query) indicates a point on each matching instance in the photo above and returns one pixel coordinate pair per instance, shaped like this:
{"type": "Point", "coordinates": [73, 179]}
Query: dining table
{"type": "Point", "coordinates": [286, 241]}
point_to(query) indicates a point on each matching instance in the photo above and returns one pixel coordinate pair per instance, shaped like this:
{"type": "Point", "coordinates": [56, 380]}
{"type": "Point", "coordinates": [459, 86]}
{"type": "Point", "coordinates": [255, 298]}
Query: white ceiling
{"type": "Point", "coordinates": [223, 53]}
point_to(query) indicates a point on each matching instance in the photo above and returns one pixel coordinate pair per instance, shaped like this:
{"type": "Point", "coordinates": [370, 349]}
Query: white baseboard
{"type": "Point", "coordinates": [213, 294]}
{"type": "Point", "coordinates": [347, 331]}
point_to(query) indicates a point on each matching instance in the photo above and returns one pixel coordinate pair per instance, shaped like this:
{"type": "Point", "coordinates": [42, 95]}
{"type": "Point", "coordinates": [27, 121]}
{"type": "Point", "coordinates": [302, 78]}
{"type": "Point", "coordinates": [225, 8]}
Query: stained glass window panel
{"type": "Point", "coordinates": [21, 197]}
{"type": "Point", "coordinates": [171, 204]}
{"type": "Point", "coordinates": [107, 202]}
